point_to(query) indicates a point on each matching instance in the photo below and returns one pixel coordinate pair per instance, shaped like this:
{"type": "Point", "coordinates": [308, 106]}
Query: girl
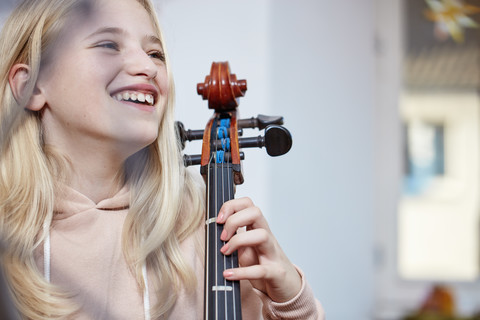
{"type": "Point", "coordinates": [99, 217]}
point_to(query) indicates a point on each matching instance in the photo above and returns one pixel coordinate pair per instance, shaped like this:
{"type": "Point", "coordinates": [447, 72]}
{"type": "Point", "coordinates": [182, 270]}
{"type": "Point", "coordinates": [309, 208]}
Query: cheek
{"type": "Point", "coordinates": [79, 77]}
{"type": "Point", "coordinates": [163, 82]}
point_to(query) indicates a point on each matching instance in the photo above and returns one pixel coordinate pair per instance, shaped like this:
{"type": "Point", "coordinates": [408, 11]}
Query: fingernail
{"type": "Point", "coordinates": [227, 273]}
{"type": "Point", "coordinates": [220, 217]}
{"type": "Point", "coordinates": [223, 236]}
{"type": "Point", "coordinates": [224, 249]}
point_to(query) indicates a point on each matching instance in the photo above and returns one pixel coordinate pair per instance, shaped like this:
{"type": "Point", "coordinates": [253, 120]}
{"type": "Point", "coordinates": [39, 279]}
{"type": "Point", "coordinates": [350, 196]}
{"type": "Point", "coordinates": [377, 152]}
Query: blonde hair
{"type": "Point", "coordinates": [166, 205]}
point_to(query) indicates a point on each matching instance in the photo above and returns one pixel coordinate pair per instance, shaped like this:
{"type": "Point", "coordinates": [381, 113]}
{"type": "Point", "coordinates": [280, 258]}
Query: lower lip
{"type": "Point", "coordinates": [143, 107]}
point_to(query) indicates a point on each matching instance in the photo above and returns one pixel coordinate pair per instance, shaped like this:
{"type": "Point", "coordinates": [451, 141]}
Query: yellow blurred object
{"type": "Point", "coordinates": [451, 17]}
{"type": "Point", "coordinates": [440, 300]}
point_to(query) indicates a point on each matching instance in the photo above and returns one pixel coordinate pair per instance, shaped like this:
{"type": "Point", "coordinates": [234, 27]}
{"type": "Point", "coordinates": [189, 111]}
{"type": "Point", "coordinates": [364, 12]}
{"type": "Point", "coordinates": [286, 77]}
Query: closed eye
{"type": "Point", "coordinates": [108, 45]}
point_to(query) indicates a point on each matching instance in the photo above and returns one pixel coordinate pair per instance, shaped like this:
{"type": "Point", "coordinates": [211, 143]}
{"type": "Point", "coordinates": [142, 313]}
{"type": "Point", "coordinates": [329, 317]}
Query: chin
{"type": "Point", "coordinates": [132, 145]}
{"type": "Point", "coordinates": [145, 141]}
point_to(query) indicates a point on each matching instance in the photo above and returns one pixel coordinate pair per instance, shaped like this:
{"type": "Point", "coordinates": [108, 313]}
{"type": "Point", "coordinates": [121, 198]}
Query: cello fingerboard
{"type": "Point", "coordinates": [222, 297]}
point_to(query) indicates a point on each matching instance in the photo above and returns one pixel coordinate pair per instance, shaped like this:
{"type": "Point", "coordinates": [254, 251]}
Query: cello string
{"type": "Point", "coordinates": [224, 256]}
{"type": "Point", "coordinates": [216, 217]}
{"type": "Point", "coordinates": [215, 175]}
{"type": "Point", "coordinates": [233, 283]}
{"type": "Point", "coordinates": [222, 191]}
{"type": "Point", "coordinates": [230, 258]}
{"type": "Point", "coordinates": [223, 167]}
{"type": "Point", "coordinates": [207, 242]}
{"type": "Point", "coordinates": [230, 186]}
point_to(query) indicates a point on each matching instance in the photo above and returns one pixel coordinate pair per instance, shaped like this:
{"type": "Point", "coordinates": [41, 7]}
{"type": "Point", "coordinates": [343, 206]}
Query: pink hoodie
{"type": "Point", "coordinates": [86, 259]}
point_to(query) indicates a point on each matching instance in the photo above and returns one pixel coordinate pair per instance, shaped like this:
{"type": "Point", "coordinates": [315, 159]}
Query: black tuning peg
{"type": "Point", "coordinates": [185, 135]}
{"type": "Point", "coordinates": [260, 122]}
{"type": "Point", "coordinates": [277, 141]}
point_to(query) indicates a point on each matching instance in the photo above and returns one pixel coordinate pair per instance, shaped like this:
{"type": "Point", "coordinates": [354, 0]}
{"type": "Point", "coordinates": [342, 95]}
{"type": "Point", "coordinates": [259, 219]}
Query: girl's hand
{"type": "Point", "coordinates": [261, 259]}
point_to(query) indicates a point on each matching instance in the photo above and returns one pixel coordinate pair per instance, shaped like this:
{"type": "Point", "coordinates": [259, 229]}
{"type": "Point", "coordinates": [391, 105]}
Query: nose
{"type": "Point", "coordinates": [138, 63]}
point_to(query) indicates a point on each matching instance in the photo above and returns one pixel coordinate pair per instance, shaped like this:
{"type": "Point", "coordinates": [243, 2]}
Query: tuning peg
{"type": "Point", "coordinates": [185, 135]}
{"type": "Point", "coordinates": [260, 122]}
{"type": "Point", "coordinates": [277, 141]}
{"type": "Point", "coordinates": [192, 160]}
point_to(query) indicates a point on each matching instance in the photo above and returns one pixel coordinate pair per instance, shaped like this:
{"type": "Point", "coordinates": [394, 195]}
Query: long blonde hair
{"type": "Point", "coordinates": [166, 205]}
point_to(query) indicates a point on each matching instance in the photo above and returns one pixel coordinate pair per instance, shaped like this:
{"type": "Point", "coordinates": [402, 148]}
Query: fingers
{"type": "Point", "coordinates": [258, 238]}
{"type": "Point", "coordinates": [232, 206]}
{"type": "Point", "coordinates": [255, 272]}
{"type": "Point", "coordinates": [274, 280]}
{"type": "Point", "coordinates": [262, 260]}
{"type": "Point", "coordinates": [240, 213]}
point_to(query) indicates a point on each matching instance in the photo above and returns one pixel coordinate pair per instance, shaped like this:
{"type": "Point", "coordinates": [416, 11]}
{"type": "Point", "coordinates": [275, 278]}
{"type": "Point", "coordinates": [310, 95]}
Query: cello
{"type": "Point", "coordinates": [220, 165]}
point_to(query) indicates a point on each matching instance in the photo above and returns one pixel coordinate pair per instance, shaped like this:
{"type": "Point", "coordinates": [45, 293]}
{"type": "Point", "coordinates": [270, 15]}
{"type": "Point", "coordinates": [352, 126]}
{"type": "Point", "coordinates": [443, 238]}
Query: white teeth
{"type": "Point", "coordinates": [135, 96]}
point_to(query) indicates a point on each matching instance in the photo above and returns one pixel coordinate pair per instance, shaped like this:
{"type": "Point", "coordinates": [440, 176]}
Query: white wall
{"type": "Point", "coordinates": [388, 155]}
{"type": "Point", "coordinates": [323, 71]}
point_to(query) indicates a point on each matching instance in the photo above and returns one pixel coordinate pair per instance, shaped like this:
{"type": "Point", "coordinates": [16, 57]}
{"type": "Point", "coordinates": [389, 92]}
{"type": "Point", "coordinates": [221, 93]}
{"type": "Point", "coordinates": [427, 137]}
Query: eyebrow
{"type": "Point", "coordinates": [118, 31]}
{"type": "Point", "coordinates": [103, 30]}
{"type": "Point", "coordinates": [155, 39]}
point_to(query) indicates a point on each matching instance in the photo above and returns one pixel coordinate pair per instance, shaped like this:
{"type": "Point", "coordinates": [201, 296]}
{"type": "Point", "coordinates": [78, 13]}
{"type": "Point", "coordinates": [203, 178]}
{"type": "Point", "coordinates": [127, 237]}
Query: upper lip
{"type": "Point", "coordinates": [140, 87]}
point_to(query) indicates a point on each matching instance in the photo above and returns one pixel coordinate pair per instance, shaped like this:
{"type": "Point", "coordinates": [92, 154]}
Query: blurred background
{"type": "Point", "coordinates": [378, 200]}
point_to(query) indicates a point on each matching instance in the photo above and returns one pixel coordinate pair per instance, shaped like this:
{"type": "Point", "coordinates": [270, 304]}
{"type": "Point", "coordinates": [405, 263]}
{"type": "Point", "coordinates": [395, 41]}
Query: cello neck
{"type": "Point", "coordinates": [222, 297]}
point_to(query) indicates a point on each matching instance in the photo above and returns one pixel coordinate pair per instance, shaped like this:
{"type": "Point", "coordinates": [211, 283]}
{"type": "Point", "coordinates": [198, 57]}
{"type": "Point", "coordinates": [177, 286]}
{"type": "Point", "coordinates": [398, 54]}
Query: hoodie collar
{"type": "Point", "coordinates": [70, 201]}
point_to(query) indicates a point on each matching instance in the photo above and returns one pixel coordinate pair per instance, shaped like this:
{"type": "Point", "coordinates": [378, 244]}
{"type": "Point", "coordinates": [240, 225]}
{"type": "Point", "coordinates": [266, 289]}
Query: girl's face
{"type": "Point", "coordinates": [105, 84]}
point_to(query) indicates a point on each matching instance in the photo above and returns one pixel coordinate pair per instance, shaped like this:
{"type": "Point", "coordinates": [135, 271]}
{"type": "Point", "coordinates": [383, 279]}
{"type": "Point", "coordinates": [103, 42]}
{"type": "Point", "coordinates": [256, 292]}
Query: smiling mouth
{"type": "Point", "coordinates": [136, 97]}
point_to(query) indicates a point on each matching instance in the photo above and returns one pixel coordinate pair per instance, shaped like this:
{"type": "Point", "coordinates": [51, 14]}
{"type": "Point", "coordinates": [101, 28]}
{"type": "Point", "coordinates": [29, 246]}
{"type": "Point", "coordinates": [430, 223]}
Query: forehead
{"type": "Point", "coordinates": [128, 15]}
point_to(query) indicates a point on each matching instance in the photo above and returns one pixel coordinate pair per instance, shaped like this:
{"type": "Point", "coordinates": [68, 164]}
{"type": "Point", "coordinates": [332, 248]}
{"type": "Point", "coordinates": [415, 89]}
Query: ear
{"type": "Point", "coordinates": [18, 79]}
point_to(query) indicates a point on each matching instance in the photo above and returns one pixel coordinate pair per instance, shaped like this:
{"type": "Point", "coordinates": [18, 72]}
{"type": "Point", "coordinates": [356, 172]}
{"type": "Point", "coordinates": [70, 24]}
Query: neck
{"type": "Point", "coordinates": [97, 182]}
{"type": "Point", "coordinates": [96, 173]}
